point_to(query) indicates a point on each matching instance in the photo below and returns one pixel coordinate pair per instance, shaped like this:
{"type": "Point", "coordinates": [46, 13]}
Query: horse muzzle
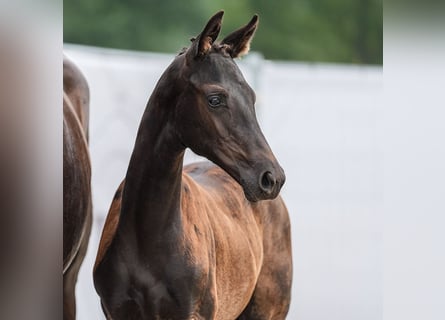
{"type": "Point", "coordinates": [266, 186]}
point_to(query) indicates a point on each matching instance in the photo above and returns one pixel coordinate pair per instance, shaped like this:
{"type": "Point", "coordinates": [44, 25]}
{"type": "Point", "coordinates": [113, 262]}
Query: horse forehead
{"type": "Point", "coordinates": [218, 68]}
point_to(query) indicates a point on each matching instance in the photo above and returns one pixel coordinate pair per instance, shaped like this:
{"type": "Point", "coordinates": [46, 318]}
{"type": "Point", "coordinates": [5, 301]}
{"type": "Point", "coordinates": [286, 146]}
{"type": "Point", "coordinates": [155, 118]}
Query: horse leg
{"type": "Point", "coordinates": [70, 276]}
{"type": "Point", "coordinates": [271, 297]}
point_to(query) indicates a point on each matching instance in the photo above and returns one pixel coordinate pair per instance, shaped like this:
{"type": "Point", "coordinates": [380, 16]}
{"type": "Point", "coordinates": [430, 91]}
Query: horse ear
{"type": "Point", "coordinates": [203, 42]}
{"type": "Point", "coordinates": [238, 42]}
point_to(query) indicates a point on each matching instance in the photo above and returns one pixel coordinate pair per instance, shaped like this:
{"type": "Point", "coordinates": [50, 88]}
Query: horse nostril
{"type": "Point", "coordinates": [267, 182]}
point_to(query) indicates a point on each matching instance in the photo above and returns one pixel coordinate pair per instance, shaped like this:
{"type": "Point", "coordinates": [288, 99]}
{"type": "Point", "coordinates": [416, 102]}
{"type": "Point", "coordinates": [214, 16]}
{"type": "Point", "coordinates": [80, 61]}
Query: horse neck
{"type": "Point", "coordinates": [151, 197]}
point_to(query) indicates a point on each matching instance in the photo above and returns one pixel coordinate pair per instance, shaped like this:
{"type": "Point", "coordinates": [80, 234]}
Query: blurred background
{"type": "Point", "coordinates": [342, 31]}
{"type": "Point", "coordinates": [316, 67]}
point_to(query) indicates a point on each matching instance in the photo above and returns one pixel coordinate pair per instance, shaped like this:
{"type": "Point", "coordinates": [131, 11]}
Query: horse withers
{"type": "Point", "coordinates": [77, 213]}
{"type": "Point", "coordinates": [210, 240]}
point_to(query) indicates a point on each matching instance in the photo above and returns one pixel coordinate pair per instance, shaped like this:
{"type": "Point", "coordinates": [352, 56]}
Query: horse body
{"type": "Point", "coordinates": [196, 242]}
{"type": "Point", "coordinates": [251, 240]}
{"type": "Point", "coordinates": [77, 211]}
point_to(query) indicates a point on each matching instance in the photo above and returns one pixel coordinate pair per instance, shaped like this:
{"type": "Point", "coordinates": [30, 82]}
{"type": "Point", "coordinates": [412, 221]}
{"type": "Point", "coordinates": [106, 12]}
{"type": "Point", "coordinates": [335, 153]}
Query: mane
{"type": "Point", "coordinates": [216, 47]}
{"type": "Point", "coordinates": [182, 51]}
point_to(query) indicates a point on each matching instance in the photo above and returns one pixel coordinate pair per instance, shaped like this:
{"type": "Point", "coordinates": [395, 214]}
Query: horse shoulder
{"type": "Point", "coordinates": [210, 193]}
{"type": "Point", "coordinates": [110, 226]}
{"type": "Point", "coordinates": [197, 235]}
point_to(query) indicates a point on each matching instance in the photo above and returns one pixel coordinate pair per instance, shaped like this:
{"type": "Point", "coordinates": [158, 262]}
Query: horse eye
{"type": "Point", "coordinates": [214, 101]}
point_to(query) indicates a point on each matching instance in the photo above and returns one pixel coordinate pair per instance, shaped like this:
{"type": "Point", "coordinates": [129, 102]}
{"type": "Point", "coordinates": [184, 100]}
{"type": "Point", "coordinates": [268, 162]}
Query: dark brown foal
{"type": "Point", "coordinates": [77, 215]}
{"type": "Point", "coordinates": [210, 241]}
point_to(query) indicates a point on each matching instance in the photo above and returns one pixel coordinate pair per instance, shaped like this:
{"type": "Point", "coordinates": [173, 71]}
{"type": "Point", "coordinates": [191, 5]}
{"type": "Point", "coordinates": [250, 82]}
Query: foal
{"type": "Point", "coordinates": [197, 243]}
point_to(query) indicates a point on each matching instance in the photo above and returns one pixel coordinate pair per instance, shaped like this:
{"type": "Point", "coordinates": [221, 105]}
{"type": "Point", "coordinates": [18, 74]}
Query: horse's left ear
{"type": "Point", "coordinates": [238, 42]}
{"type": "Point", "coordinates": [203, 42]}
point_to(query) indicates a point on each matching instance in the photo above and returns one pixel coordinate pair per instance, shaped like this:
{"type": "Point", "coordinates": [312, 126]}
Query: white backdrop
{"type": "Point", "coordinates": [321, 122]}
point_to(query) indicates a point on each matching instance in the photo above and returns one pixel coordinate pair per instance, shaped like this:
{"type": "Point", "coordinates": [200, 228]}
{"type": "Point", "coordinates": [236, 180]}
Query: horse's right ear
{"type": "Point", "coordinates": [203, 42]}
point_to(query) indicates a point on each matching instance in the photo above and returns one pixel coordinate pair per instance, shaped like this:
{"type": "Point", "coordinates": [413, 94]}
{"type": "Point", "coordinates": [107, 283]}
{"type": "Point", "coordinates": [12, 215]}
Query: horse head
{"type": "Point", "coordinates": [215, 111]}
